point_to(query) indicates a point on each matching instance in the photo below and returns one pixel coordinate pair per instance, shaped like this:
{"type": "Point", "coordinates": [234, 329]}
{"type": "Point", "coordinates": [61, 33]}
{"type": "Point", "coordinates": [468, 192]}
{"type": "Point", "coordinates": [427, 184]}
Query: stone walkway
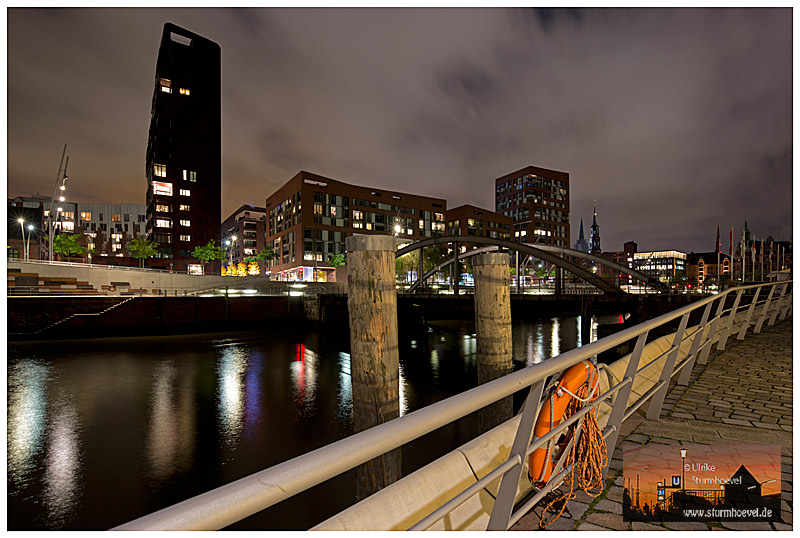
{"type": "Point", "coordinates": [743, 396]}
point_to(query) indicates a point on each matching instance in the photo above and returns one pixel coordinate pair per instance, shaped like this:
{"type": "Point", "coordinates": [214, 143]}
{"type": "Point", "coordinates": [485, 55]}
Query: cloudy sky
{"type": "Point", "coordinates": [672, 119]}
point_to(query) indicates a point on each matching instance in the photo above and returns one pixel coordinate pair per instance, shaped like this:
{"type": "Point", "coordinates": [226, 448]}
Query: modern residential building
{"type": "Point", "coordinates": [537, 199]}
{"type": "Point", "coordinates": [309, 217]}
{"type": "Point", "coordinates": [666, 265]}
{"type": "Point", "coordinates": [107, 228]}
{"type": "Point", "coordinates": [244, 234]}
{"type": "Point", "coordinates": [183, 162]}
{"type": "Point", "coordinates": [471, 220]}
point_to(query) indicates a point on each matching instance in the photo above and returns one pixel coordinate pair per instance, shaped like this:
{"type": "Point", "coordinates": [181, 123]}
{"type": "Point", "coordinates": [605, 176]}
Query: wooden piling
{"type": "Point", "coordinates": [493, 330]}
{"type": "Point", "coordinates": [374, 355]}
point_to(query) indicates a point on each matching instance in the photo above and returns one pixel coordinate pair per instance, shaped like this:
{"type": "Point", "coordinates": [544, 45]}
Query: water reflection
{"type": "Point", "coordinates": [27, 413]}
{"type": "Point", "coordinates": [230, 392]}
{"type": "Point", "coordinates": [304, 380]}
{"type": "Point", "coordinates": [62, 465]}
{"type": "Point", "coordinates": [344, 408]}
{"type": "Point", "coordinates": [171, 430]}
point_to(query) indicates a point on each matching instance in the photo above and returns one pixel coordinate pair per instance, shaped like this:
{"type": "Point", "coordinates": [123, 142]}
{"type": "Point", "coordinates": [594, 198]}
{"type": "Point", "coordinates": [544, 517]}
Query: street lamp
{"type": "Point", "coordinates": [229, 244]}
{"type": "Point", "coordinates": [31, 227]}
{"type": "Point", "coordinates": [22, 229]}
{"type": "Point", "coordinates": [61, 185]}
{"type": "Point", "coordinates": [683, 469]}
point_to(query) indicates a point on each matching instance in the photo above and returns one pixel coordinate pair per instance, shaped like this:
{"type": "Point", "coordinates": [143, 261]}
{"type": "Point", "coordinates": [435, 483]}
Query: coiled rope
{"type": "Point", "coordinates": [588, 456]}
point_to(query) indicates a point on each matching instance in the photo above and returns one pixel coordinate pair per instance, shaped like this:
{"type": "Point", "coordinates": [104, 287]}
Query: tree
{"type": "Point", "coordinates": [67, 245]}
{"type": "Point", "coordinates": [142, 248]}
{"type": "Point", "coordinates": [336, 260]}
{"type": "Point", "coordinates": [267, 254]}
{"type": "Point", "coordinates": [210, 252]}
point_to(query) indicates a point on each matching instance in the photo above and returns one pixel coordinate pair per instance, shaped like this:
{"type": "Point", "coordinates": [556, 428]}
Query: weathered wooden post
{"type": "Point", "coordinates": [374, 355]}
{"type": "Point", "coordinates": [493, 330]}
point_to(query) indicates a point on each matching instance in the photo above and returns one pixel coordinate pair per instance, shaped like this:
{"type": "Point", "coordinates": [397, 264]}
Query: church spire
{"type": "Point", "coordinates": [594, 234]}
{"type": "Point", "coordinates": [581, 244]}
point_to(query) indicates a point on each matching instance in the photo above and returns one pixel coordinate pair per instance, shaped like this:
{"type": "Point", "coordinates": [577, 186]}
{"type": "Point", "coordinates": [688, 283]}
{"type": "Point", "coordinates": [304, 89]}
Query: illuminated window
{"type": "Point", "coordinates": [162, 189]}
{"type": "Point", "coordinates": [116, 217]}
{"type": "Point", "coordinates": [90, 245]}
{"type": "Point", "coordinates": [184, 91]}
{"type": "Point", "coordinates": [115, 247]}
{"type": "Point", "coordinates": [185, 192]}
{"type": "Point", "coordinates": [318, 209]}
{"type": "Point", "coordinates": [163, 223]}
{"type": "Point", "coordinates": [184, 207]}
{"type": "Point", "coordinates": [186, 238]}
{"type": "Point", "coordinates": [46, 212]}
{"type": "Point", "coordinates": [67, 214]}
{"type": "Point", "coordinates": [162, 208]}
{"type": "Point", "coordinates": [86, 215]}
{"type": "Point", "coordinates": [358, 224]}
{"type": "Point", "coordinates": [166, 85]}
{"type": "Point", "coordinates": [116, 237]}
{"type": "Point", "coordinates": [438, 216]}
{"type": "Point", "coordinates": [160, 170]}
{"type": "Point", "coordinates": [358, 215]}
{"type": "Point", "coordinates": [185, 223]}
{"type": "Point", "coordinates": [333, 211]}
{"type": "Point", "coordinates": [68, 226]}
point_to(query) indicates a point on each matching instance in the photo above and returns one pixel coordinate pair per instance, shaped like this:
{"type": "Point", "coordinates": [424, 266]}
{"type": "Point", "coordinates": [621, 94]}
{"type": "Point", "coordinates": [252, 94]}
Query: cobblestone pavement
{"type": "Point", "coordinates": [743, 396]}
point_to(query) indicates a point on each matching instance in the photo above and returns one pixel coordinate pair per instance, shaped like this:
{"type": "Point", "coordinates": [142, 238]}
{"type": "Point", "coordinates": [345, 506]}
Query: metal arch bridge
{"type": "Point", "coordinates": [547, 253]}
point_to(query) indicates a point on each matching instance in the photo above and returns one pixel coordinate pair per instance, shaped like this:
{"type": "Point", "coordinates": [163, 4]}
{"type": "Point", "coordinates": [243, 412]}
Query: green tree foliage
{"type": "Point", "coordinates": [266, 254]}
{"type": "Point", "coordinates": [210, 252]}
{"type": "Point", "coordinates": [336, 260]}
{"type": "Point", "coordinates": [142, 249]}
{"type": "Point", "coordinates": [67, 245]}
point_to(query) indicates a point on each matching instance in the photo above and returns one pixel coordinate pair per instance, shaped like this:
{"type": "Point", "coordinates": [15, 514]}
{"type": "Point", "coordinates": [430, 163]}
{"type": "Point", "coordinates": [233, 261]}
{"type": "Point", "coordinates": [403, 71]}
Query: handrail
{"type": "Point", "coordinates": [237, 500]}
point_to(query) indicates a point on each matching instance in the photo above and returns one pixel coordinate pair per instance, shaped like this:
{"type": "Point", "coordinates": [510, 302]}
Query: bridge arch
{"type": "Point", "coordinates": [546, 253]}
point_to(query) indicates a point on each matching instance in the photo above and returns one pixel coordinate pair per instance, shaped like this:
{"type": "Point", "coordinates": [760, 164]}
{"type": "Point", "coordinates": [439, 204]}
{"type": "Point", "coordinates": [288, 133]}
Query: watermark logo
{"type": "Point", "coordinates": [702, 483]}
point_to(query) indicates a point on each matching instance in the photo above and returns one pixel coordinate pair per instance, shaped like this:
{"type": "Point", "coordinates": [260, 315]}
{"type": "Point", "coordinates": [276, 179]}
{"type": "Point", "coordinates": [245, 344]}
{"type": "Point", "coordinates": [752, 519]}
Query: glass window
{"type": "Point", "coordinates": [85, 215]}
{"type": "Point", "coordinates": [163, 223]}
{"type": "Point", "coordinates": [160, 188]}
{"type": "Point", "coordinates": [184, 91]}
{"type": "Point", "coordinates": [185, 192]}
{"type": "Point", "coordinates": [162, 208]}
{"type": "Point", "coordinates": [116, 217]}
{"type": "Point", "coordinates": [184, 207]}
{"type": "Point", "coordinates": [192, 176]}
{"type": "Point", "coordinates": [68, 226]}
{"type": "Point", "coordinates": [185, 223]}
{"type": "Point", "coordinates": [186, 237]}
{"type": "Point", "coordinates": [159, 170]}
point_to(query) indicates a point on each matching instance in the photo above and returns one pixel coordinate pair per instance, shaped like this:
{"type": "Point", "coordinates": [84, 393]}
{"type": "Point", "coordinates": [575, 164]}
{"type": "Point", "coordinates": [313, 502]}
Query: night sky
{"type": "Point", "coordinates": [672, 119]}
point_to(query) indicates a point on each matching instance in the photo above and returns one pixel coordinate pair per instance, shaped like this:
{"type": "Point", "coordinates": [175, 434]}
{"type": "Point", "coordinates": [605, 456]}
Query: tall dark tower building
{"type": "Point", "coordinates": [594, 235]}
{"type": "Point", "coordinates": [184, 148]}
{"type": "Point", "coordinates": [581, 243]}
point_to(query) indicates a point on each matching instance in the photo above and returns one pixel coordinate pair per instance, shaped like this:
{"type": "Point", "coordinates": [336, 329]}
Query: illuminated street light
{"type": "Point", "coordinates": [22, 229]}
{"type": "Point", "coordinates": [31, 227]}
{"type": "Point", "coordinates": [61, 185]}
{"type": "Point", "coordinates": [683, 469]}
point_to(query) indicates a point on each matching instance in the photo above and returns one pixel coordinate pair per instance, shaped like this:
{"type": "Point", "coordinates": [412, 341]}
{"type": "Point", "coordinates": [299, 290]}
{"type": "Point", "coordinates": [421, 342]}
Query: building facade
{"type": "Point", "coordinates": [537, 199]}
{"type": "Point", "coordinates": [471, 220]}
{"type": "Point", "coordinates": [309, 217]}
{"type": "Point", "coordinates": [244, 234]}
{"type": "Point", "coordinates": [702, 268]}
{"type": "Point", "coordinates": [184, 147]}
{"type": "Point", "coordinates": [666, 265]}
{"type": "Point", "coordinates": [106, 228]}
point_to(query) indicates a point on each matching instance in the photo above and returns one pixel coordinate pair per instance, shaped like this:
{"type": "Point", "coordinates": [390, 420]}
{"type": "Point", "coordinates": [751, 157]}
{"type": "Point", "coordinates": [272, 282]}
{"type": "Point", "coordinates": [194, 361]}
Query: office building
{"type": "Point", "coordinates": [309, 217]}
{"type": "Point", "coordinates": [471, 220]}
{"type": "Point", "coordinates": [183, 162]}
{"type": "Point", "coordinates": [666, 265]}
{"type": "Point", "coordinates": [537, 199]}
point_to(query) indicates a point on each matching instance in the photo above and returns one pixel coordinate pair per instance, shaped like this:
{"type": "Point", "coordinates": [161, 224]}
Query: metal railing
{"type": "Point", "coordinates": [233, 502]}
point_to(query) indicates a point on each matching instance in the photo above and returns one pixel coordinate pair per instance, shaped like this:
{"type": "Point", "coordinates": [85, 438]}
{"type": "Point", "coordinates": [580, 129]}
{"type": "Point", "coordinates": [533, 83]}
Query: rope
{"type": "Point", "coordinates": [588, 456]}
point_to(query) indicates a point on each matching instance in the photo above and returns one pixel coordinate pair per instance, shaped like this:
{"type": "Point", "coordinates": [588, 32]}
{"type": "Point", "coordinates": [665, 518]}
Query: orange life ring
{"type": "Point", "coordinates": [540, 464]}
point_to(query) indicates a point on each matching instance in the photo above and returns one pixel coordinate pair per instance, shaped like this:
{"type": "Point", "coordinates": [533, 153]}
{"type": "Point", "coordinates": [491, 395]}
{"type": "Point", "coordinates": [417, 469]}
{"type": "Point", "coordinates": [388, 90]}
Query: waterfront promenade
{"type": "Point", "coordinates": [743, 396]}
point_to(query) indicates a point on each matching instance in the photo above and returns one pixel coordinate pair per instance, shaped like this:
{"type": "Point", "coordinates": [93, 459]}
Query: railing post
{"type": "Point", "coordinates": [374, 355]}
{"type": "Point", "coordinates": [764, 311]}
{"type": "Point", "coordinates": [746, 322]}
{"type": "Point", "coordinates": [503, 506]}
{"type": "Point", "coordinates": [621, 400]}
{"type": "Point", "coordinates": [493, 331]}
{"type": "Point", "coordinates": [692, 356]}
{"type": "Point", "coordinates": [654, 409]}
{"type": "Point", "coordinates": [712, 333]}
{"type": "Point", "coordinates": [778, 304]}
{"type": "Point", "coordinates": [456, 270]}
{"type": "Point", "coordinates": [724, 338]}
{"type": "Point", "coordinates": [788, 305]}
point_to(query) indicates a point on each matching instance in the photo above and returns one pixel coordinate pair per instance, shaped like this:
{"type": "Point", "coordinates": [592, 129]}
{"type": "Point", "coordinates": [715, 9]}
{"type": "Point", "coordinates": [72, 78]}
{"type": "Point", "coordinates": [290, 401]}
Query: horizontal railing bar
{"type": "Point", "coordinates": [462, 497]}
{"type": "Point", "coordinates": [672, 348]}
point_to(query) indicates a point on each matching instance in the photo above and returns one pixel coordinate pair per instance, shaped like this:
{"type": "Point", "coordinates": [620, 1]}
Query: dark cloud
{"type": "Point", "coordinates": [673, 119]}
